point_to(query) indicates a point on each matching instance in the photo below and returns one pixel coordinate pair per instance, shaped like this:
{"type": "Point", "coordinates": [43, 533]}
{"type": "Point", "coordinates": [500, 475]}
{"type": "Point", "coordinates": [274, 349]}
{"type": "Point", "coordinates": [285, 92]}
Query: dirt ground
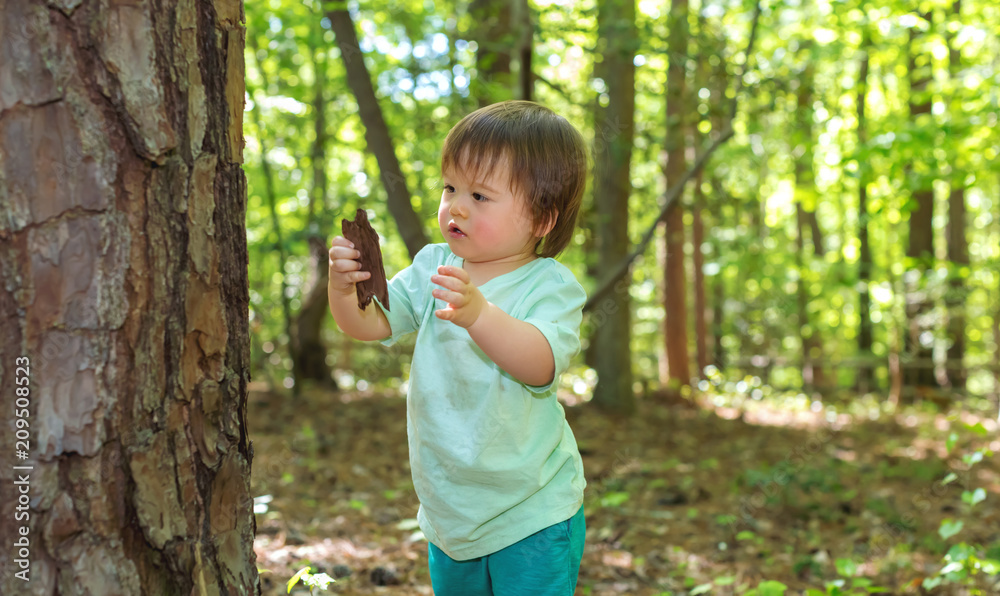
{"type": "Point", "coordinates": [679, 500]}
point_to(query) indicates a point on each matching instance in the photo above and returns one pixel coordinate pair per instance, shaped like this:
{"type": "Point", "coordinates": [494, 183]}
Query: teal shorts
{"type": "Point", "coordinates": [544, 564]}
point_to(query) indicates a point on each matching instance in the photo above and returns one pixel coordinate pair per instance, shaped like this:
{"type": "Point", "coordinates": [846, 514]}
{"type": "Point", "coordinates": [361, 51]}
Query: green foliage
{"type": "Point", "coordinates": [422, 60]}
{"type": "Point", "coordinates": [964, 564]}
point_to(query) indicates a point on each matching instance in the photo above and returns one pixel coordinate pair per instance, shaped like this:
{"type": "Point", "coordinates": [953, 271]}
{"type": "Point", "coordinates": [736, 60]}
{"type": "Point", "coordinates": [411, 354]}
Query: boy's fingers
{"type": "Point", "coordinates": [447, 282]}
{"type": "Point", "coordinates": [345, 266]}
{"type": "Point", "coordinates": [456, 272]}
{"type": "Point", "coordinates": [342, 252]}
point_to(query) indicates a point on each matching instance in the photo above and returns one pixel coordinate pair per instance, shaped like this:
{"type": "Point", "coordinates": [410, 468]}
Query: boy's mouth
{"type": "Point", "coordinates": [455, 231]}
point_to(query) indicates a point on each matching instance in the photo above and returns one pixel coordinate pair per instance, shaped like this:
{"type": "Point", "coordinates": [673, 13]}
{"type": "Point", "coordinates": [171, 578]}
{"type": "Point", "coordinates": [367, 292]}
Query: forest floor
{"type": "Point", "coordinates": [680, 500]}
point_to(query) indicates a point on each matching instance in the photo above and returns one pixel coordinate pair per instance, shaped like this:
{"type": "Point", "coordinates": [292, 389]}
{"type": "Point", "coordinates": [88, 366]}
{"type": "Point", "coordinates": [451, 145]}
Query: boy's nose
{"type": "Point", "coordinates": [458, 207]}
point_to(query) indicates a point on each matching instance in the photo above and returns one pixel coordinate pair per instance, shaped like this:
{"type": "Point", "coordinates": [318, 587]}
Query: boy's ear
{"type": "Point", "coordinates": [544, 228]}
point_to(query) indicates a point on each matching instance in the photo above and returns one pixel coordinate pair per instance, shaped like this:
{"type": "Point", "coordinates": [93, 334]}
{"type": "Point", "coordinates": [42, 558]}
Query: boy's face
{"type": "Point", "coordinates": [486, 221]}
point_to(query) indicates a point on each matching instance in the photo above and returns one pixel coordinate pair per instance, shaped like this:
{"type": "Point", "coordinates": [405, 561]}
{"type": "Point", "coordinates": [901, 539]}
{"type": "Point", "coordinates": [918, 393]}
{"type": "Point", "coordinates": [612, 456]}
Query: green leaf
{"type": "Point", "coordinates": [930, 583]}
{"type": "Point", "coordinates": [726, 580]}
{"type": "Point", "coordinates": [960, 552]}
{"type": "Point", "coordinates": [951, 477]}
{"type": "Point", "coordinates": [295, 578]}
{"type": "Point", "coordinates": [614, 499]}
{"type": "Point", "coordinates": [949, 528]}
{"type": "Point", "coordinates": [951, 568]}
{"type": "Point", "coordinates": [846, 567]}
{"type": "Point", "coordinates": [746, 535]}
{"type": "Point", "coordinates": [320, 580]}
{"type": "Point", "coordinates": [771, 588]}
{"type": "Point", "coordinates": [973, 497]}
{"type": "Point", "coordinates": [949, 443]}
{"type": "Point", "coordinates": [971, 459]}
{"type": "Point", "coordinates": [990, 567]}
{"type": "Point", "coordinates": [702, 589]}
{"type": "Point", "coordinates": [978, 428]}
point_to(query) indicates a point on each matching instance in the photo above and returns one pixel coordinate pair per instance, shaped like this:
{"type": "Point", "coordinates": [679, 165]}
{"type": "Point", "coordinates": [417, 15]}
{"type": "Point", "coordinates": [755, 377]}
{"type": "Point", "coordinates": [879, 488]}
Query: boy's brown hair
{"type": "Point", "coordinates": [546, 155]}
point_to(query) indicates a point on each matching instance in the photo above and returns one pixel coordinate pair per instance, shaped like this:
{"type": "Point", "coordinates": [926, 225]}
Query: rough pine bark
{"type": "Point", "coordinates": [123, 286]}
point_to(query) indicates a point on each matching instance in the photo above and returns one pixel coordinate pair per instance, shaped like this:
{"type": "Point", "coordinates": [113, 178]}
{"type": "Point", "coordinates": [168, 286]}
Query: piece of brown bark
{"type": "Point", "coordinates": [365, 240]}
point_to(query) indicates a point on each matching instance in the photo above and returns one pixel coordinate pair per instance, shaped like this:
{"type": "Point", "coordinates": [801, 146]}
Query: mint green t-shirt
{"type": "Point", "coordinates": [493, 460]}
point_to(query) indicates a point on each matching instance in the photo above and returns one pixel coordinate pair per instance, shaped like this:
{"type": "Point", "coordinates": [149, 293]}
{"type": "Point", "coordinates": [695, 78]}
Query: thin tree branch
{"type": "Point", "coordinates": [671, 199]}
{"type": "Point", "coordinates": [674, 192]}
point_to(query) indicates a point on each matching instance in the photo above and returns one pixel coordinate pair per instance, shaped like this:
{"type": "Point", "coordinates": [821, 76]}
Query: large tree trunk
{"type": "Point", "coordinates": [865, 378]}
{"type": "Point", "coordinates": [377, 133]}
{"type": "Point", "coordinates": [124, 298]}
{"type": "Point", "coordinates": [610, 344]}
{"type": "Point", "coordinates": [675, 298]}
{"type": "Point", "coordinates": [919, 373]}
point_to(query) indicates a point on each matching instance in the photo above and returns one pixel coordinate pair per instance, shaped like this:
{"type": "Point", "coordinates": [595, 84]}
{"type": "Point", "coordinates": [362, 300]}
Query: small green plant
{"type": "Point", "coordinates": [965, 564]}
{"type": "Point", "coordinates": [318, 580]}
{"type": "Point", "coordinates": [768, 588]}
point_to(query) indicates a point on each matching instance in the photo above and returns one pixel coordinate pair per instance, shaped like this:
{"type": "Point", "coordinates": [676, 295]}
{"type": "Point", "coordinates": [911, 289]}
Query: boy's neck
{"type": "Point", "coordinates": [484, 271]}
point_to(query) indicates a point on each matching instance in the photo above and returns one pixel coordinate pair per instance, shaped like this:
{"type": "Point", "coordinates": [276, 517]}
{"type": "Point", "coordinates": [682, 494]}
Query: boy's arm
{"type": "Point", "coordinates": [517, 347]}
{"type": "Point", "coordinates": [366, 325]}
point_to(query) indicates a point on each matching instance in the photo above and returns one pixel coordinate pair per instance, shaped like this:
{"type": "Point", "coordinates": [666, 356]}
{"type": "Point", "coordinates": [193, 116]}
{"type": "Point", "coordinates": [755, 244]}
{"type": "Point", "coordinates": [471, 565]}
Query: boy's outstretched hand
{"type": "Point", "coordinates": [465, 301]}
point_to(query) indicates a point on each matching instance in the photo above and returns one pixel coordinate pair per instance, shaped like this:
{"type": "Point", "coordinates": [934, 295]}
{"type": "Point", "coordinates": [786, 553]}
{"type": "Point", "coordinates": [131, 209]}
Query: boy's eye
{"type": "Point", "coordinates": [449, 188]}
{"type": "Point", "coordinates": [479, 198]}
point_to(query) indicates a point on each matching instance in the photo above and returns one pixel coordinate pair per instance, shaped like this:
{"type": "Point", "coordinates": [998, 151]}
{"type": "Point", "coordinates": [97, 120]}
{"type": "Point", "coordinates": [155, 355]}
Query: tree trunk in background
{"type": "Point", "coordinates": [919, 373]}
{"type": "Point", "coordinates": [308, 348]}
{"type": "Point", "coordinates": [494, 34]}
{"type": "Point", "coordinates": [610, 344]}
{"type": "Point", "coordinates": [865, 377]}
{"type": "Point", "coordinates": [996, 314]}
{"type": "Point", "coordinates": [958, 243]}
{"type": "Point", "coordinates": [525, 46]}
{"type": "Point", "coordinates": [698, 140]}
{"type": "Point", "coordinates": [377, 133]}
{"type": "Point", "coordinates": [813, 377]}
{"type": "Point", "coordinates": [124, 290]}
{"type": "Point", "coordinates": [675, 291]}
{"type": "Point", "coordinates": [701, 305]}
{"type": "Point", "coordinates": [270, 196]}
{"type": "Point", "coordinates": [720, 119]}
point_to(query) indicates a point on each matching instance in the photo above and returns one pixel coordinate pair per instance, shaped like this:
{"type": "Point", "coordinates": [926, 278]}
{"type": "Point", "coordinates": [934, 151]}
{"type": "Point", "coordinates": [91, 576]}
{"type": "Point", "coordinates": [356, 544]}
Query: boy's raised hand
{"type": "Point", "coordinates": [465, 301]}
{"type": "Point", "coordinates": [344, 266]}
